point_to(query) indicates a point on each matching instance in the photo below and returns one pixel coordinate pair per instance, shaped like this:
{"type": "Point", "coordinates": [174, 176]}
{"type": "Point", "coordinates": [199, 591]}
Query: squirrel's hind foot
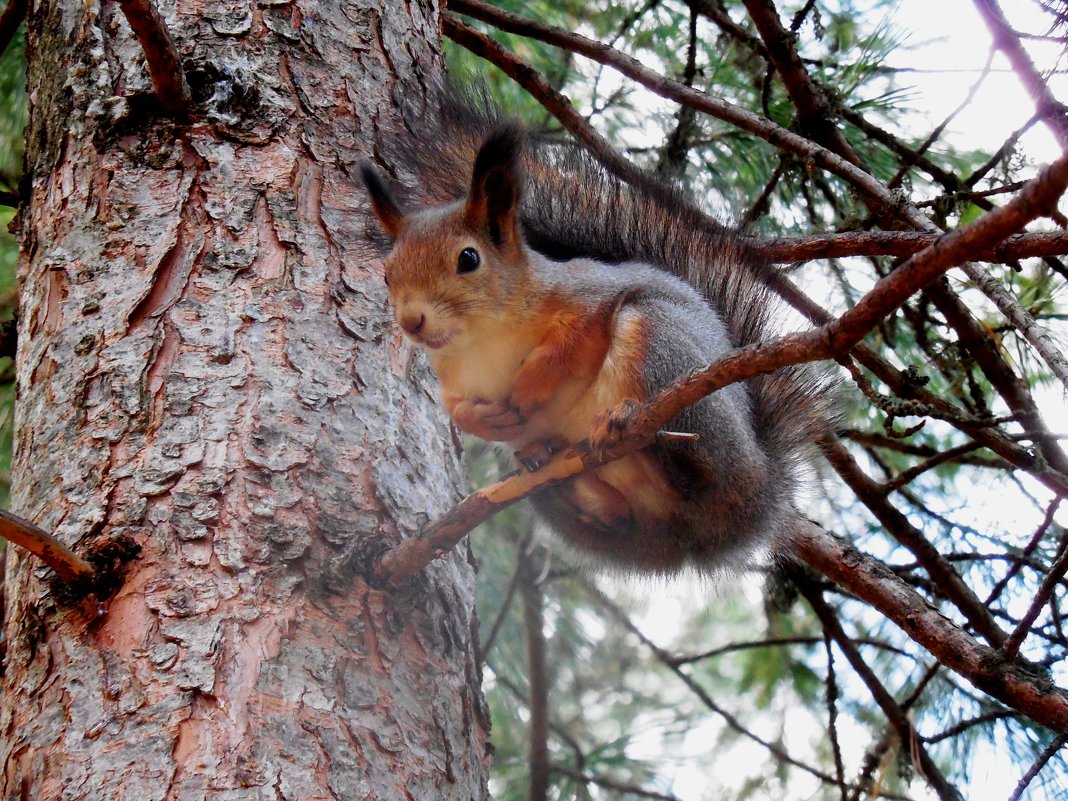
{"type": "Point", "coordinates": [535, 455]}
{"type": "Point", "coordinates": [610, 425]}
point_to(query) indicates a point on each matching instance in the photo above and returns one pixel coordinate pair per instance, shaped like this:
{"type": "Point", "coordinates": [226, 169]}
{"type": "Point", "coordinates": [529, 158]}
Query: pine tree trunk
{"type": "Point", "coordinates": [207, 364]}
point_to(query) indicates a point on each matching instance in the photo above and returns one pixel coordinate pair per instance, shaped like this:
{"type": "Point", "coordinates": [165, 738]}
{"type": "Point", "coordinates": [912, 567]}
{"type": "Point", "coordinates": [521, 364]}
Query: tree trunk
{"type": "Point", "coordinates": [207, 364]}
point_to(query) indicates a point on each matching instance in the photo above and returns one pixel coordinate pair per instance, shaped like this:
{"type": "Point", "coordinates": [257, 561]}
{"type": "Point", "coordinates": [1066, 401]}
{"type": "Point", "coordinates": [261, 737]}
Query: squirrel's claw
{"type": "Point", "coordinates": [610, 424]}
{"type": "Point", "coordinates": [535, 455]}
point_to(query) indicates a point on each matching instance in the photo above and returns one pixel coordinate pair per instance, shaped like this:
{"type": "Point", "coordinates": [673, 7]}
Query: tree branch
{"type": "Point", "coordinates": [1011, 646]}
{"type": "Point", "coordinates": [813, 111]}
{"type": "Point", "coordinates": [1052, 112]}
{"type": "Point", "coordinates": [1010, 682]}
{"type": "Point", "coordinates": [71, 568]}
{"type": "Point", "coordinates": [898, 526]}
{"type": "Point", "coordinates": [901, 244]}
{"type": "Point", "coordinates": [1055, 745]}
{"type": "Point", "coordinates": [164, 64]}
{"type": "Point", "coordinates": [554, 102]}
{"type": "Point", "coordinates": [897, 717]}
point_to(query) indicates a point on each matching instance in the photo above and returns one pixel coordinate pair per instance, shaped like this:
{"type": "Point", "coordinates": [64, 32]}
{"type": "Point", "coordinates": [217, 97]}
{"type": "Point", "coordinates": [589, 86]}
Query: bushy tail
{"type": "Point", "coordinates": [574, 207]}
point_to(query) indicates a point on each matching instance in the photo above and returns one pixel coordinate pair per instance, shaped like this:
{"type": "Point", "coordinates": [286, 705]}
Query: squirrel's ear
{"type": "Point", "coordinates": [493, 201]}
{"type": "Point", "coordinates": [382, 201]}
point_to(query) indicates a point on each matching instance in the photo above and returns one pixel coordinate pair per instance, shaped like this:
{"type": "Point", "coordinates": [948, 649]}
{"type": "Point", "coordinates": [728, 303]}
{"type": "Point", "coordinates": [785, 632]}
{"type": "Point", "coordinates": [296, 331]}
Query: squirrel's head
{"type": "Point", "coordinates": [457, 270]}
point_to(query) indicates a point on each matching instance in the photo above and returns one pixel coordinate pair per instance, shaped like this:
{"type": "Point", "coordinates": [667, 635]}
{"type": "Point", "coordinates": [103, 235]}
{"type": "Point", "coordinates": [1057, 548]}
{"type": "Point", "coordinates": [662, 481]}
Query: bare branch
{"type": "Point", "coordinates": [1025, 555]}
{"type": "Point", "coordinates": [734, 723]}
{"type": "Point", "coordinates": [964, 725]}
{"type": "Point", "coordinates": [1010, 682]}
{"type": "Point", "coordinates": [164, 64]}
{"type": "Point", "coordinates": [875, 193]}
{"type": "Point", "coordinates": [1045, 591]}
{"type": "Point", "coordinates": [556, 103]}
{"type": "Point", "coordinates": [901, 243]}
{"type": "Point", "coordinates": [894, 713]}
{"type": "Point", "coordinates": [70, 567]}
{"type": "Point", "coordinates": [814, 113]}
{"type": "Point", "coordinates": [775, 642]}
{"type": "Point", "coordinates": [831, 698]}
{"type": "Point", "coordinates": [609, 784]}
{"type": "Point", "coordinates": [1052, 112]}
{"type": "Point", "coordinates": [898, 526]}
{"type": "Point", "coordinates": [1055, 745]}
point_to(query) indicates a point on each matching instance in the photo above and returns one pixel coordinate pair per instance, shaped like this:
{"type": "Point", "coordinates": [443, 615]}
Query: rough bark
{"type": "Point", "coordinates": [206, 364]}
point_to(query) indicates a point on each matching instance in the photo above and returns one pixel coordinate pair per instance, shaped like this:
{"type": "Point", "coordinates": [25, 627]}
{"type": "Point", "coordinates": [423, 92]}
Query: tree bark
{"type": "Point", "coordinates": [207, 364]}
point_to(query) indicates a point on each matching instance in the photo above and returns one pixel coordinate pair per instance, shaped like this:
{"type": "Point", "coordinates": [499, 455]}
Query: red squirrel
{"type": "Point", "coordinates": [549, 299]}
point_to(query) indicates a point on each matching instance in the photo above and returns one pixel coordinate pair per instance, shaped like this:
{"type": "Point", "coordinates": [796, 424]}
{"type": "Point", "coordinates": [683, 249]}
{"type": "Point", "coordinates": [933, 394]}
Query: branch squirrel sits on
{"type": "Point", "coordinates": [552, 298]}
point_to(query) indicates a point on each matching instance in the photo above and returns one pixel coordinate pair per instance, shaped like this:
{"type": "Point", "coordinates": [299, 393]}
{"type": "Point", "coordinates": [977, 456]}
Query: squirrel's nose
{"type": "Point", "coordinates": [412, 323]}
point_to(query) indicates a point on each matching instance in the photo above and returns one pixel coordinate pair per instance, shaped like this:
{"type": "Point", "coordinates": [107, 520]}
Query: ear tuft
{"type": "Point", "coordinates": [382, 201]}
{"type": "Point", "coordinates": [496, 185]}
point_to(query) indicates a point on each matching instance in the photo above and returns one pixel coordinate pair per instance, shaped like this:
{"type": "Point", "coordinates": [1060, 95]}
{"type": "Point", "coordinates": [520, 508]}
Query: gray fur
{"type": "Point", "coordinates": [702, 295]}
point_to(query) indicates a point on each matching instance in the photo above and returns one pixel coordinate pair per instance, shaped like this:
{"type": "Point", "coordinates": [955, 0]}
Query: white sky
{"type": "Point", "coordinates": [949, 35]}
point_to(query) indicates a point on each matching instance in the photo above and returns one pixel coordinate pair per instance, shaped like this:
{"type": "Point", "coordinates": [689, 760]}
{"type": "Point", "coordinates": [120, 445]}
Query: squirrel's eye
{"type": "Point", "coordinates": [386, 279]}
{"type": "Point", "coordinates": [469, 261]}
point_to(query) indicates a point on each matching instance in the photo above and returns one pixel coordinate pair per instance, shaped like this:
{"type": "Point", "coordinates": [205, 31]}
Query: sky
{"type": "Point", "coordinates": [949, 35]}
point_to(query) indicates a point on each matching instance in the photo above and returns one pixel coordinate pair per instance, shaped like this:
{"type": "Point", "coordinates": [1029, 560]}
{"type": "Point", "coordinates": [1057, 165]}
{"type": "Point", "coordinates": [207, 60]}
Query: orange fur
{"type": "Point", "coordinates": [572, 348]}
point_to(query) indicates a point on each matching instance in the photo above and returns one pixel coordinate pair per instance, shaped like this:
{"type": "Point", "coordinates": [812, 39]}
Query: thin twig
{"type": "Point", "coordinates": [1055, 745]}
{"type": "Point", "coordinates": [897, 717]}
{"type": "Point", "coordinates": [734, 723]}
{"type": "Point", "coordinates": [831, 697]}
{"type": "Point", "coordinates": [775, 642]}
{"type": "Point", "coordinates": [1000, 153]}
{"type": "Point", "coordinates": [937, 132]}
{"type": "Point", "coordinates": [965, 725]}
{"type": "Point", "coordinates": [917, 470]}
{"type": "Point", "coordinates": [1015, 685]}
{"type": "Point", "coordinates": [1025, 555]}
{"type": "Point", "coordinates": [1045, 590]}
{"type": "Point", "coordinates": [898, 526]}
{"type": "Point", "coordinates": [610, 784]}
{"type": "Point", "coordinates": [506, 605]}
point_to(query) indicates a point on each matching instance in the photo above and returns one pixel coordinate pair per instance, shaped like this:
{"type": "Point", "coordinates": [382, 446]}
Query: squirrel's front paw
{"type": "Point", "coordinates": [489, 420]}
{"type": "Point", "coordinates": [610, 424]}
{"type": "Point", "coordinates": [535, 455]}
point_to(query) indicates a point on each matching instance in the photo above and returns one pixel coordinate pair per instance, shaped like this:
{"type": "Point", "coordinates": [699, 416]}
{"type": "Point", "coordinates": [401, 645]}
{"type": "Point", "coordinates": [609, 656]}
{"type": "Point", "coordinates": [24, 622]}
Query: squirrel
{"type": "Point", "coordinates": [552, 298]}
